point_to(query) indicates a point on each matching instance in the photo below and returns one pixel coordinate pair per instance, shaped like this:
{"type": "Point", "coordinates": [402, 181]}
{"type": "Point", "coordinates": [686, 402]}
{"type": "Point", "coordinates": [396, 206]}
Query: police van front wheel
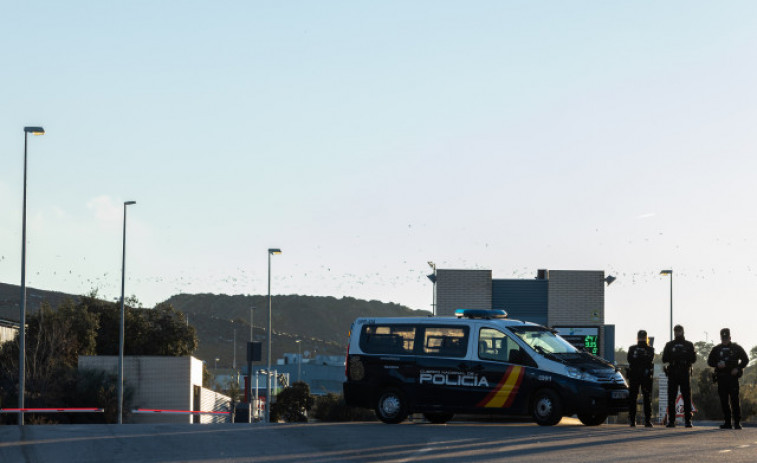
{"type": "Point", "coordinates": [592, 419]}
{"type": "Point", "coordinates": [547, 409]}
{"type": "Point", "coordinates": [391, 407]}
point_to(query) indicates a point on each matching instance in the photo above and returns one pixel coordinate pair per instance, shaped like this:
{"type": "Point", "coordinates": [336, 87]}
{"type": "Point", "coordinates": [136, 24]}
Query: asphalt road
{"type": "Point", "coordinates": [373, 442]}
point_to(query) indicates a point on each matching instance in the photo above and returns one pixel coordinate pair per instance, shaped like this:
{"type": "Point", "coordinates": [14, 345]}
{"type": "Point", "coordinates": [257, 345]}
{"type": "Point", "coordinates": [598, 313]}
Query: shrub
{"type": "Point", "coordinates": [293, 403]}
{"type": "Point", "coordinates": [331, 407]}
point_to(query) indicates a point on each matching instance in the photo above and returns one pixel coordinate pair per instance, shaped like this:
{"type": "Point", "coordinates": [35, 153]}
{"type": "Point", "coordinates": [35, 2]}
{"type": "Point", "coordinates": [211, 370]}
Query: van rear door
{"type": "Point", "coordinates": [389, 360]}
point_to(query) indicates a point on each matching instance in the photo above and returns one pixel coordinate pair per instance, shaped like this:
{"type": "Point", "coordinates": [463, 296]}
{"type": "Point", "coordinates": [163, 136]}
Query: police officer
{"type": "Point", "coordinates": [641, 362]}
{"type": "Point", "coordinates": [729, 360]}
{"type": "Point", "coordinates": [679, 354]}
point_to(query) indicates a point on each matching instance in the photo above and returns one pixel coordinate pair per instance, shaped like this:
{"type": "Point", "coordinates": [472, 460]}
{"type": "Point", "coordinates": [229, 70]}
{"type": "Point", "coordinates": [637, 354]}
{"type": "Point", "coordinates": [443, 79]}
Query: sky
{"type": "Point", "coordinates": [365, 139]}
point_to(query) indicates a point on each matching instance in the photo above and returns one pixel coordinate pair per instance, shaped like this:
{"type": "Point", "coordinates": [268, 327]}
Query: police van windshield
{"type": "Point", "coordinates": [543, 340]}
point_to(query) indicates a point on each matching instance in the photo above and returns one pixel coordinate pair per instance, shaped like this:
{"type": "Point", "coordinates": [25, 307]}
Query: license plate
{"type": "Point", "coordinates": [619, 394]}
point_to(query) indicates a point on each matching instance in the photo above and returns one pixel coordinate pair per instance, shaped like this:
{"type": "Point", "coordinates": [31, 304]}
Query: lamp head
{"type": "Point", "coordinates": [34, 130]}
{"type": "Point", "coordinates": [666, 272]}
{"type": "Point", "coordinates": [274, 251]}
{"type": "Point", "coordinates": [129, 203]}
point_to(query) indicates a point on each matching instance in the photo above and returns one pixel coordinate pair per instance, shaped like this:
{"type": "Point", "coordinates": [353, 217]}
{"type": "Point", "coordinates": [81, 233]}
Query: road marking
{"type": "Point", "coordinates": [743, 446]}
{"type": "Point", "coordinates": [725, 451]}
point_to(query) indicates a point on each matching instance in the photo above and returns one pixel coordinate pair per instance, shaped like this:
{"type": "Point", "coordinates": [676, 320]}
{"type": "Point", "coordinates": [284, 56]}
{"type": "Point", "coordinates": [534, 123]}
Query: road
{"type": "Point", "coordinates": [373, 442]}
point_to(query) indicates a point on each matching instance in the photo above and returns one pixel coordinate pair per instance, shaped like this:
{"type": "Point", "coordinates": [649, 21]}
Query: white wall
{"type": "Point", "coordinates": [165, 383]}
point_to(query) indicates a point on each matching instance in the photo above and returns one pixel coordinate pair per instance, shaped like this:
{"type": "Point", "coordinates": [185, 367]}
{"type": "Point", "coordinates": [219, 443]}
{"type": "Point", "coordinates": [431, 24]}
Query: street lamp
{"type": "Point", "coordinates": [670, 272]}
{"type": "Point", "coordinates": [252, 310]}
{"type": "Point", "coordinates": [22, 327]}
{"type": "Point", "coordinates": [121, 326]}
{"type": "Point", "coordinates": [432, 277]}
{"type": "Point", "coordinates": [299, 358]}
{"type": "Point", "coordinates": [271, 251]}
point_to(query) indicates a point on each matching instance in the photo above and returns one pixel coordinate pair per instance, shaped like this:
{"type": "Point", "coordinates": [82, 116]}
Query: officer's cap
{"type": "Point", "coordinates": [725, 333]}
{"type": "Point", "coordinates": [678, 328]}
{"type": "Point", "coordinates": [642, 334]}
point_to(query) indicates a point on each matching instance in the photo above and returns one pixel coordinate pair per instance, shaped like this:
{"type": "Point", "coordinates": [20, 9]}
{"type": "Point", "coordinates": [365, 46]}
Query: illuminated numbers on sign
{"type": "Point", "coordinates": [590, 343]}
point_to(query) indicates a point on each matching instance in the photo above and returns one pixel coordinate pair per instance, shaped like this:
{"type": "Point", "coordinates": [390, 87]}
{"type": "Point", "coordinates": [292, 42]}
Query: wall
{"type": "Point", "coordinates": [576, 298]}
{"type": "Point", "coordinates": [462, 289]}
{"type": "Point", "coordinates": [8, 333]}
{"type": "Point", "coordinates": [166, 383]}
{"type": "Point", "coordinates": [522, 299]}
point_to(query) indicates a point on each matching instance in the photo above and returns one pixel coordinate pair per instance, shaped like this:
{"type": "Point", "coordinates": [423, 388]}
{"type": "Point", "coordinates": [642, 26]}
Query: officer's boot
{"type": "Point", "coordinates": [632, 420]}
{"type": "Point", "coordinates": [736, 425]}
{"type": "Point", "coordinates": [647, 422]}
{"type": "Point", "coordinates": [727, 425]}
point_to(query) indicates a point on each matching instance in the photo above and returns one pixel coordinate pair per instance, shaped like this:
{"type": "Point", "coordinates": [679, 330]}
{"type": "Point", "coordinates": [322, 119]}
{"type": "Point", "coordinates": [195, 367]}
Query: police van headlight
{"type": "Point", "coordinates": [619, 379]}
{"type": "Point", "coordinates": [575, 373]}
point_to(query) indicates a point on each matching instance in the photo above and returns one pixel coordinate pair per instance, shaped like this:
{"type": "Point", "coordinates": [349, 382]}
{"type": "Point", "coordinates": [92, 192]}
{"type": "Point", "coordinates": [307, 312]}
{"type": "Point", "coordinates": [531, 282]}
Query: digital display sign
{"type": "Point", "coordinates": [585, 338]}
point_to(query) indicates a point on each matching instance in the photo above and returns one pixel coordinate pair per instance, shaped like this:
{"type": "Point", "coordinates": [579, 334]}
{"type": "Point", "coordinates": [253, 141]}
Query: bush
{"type": "Point", "coordinates": [331, 407]}
{"type": "Point", "coordinates": [292, 404]}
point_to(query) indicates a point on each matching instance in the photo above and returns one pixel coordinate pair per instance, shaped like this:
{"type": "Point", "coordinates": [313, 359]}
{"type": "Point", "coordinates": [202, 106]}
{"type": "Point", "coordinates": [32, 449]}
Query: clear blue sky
{"type": "Point", "coordinates": [366, 138]}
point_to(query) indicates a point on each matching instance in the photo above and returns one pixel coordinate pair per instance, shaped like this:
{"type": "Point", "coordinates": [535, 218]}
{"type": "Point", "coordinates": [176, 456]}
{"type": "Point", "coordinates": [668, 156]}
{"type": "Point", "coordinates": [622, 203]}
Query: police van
{"type": "Point", "coordinates": [477, 362]}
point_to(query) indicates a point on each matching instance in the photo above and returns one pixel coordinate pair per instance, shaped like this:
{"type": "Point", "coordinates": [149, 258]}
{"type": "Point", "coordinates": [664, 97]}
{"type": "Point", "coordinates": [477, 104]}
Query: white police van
{"type": "Point", "coordinates": [479, 362]}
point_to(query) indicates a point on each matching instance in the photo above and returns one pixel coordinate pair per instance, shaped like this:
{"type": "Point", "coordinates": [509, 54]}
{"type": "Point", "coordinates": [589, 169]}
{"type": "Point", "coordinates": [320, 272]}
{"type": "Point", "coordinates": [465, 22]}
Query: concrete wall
{"type": "Point", "coordinates": [166, 383]}
{"type": "Point", "coordinates": [576, 298]}
{"type": "Point", "coordinates": [213, 401]}
{"type": "Point", "coordinates": [462, 289]}
{"type": "Point", "coordinates": [7, 333]}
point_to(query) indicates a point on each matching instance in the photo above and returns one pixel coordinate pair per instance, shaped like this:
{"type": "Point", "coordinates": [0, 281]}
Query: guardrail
{"type": "Point", "coordinates": [178, 412]}
{"type": "Point", "coordinates": [52, 410]}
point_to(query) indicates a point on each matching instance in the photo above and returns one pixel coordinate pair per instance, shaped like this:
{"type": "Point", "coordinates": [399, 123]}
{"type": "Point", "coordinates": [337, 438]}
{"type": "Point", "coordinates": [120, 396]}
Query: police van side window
{"type": "Point", "coordinates": [387, 339]}
{"type": "Point", "coordinates": [445, 341]}
{"type": "Point", "coordinates": [496, 345]}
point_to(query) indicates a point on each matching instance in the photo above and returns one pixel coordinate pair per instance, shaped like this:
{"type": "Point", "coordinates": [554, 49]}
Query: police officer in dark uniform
{"type": "Point", "coordinates": [641, 368]}
{"type": "Point", "coordinates": [729, 360]}
{"type": "Point", "coordinates": [679, 354]}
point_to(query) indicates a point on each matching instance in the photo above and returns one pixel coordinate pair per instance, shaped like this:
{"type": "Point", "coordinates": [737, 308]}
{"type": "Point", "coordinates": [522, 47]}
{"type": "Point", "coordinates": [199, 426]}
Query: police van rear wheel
{"type": "Point", "coordinates": [391, 407]}
{"type": "Point", "coordinates": [547, 408]}
{"type": "Point", "coordinates": [592, 419]}
{"type": "Point", "coordinates": [438, 417]}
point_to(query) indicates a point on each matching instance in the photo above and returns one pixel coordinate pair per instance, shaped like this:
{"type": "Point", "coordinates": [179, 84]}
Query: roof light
{"type": "Point", "coordinates": [480, 313]}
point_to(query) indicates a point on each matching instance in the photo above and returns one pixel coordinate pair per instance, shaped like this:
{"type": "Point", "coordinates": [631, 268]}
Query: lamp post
{"type": "Point", "coordinates": [252, 310]}
{"type": "Point", "coordinates": [432, 277]}
{"type": "Point", "coordinates": [271, 251]}
{"type": "Point", "coordinates": [249, 374]}
{"type": "Point", "coordinates": [121, 326]}
{"type": "Point", "coordinates": [299, 358]}
{"type": "Point", "coordinates": [670, 272]}
{"type": "Point", "coordinates": [22, 323]}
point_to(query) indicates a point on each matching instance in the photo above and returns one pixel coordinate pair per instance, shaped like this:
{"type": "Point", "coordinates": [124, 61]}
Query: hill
{"type": "Point", "coordinates": [10, 297]}
{"type": "Point", "coordinates": [321, 323]}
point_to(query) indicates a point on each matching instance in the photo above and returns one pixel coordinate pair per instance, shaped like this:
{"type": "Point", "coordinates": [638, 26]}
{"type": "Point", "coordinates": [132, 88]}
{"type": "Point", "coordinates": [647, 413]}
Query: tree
{"type": "Point", "coordinates": [90, 326]}
{"type": "Point", "coordinates": [293, 403]}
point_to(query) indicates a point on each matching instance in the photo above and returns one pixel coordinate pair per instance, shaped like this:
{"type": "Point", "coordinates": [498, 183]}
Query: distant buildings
{"type": "Point", "coordinates": [571, 301]}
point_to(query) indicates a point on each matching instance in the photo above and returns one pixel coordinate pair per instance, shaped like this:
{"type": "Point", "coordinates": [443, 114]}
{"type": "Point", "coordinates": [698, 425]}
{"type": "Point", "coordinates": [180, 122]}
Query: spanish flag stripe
{"type": "Point", "coordinates": [503, 393]}
{"type": "Point", "coordinates": [491, 395]}
{"type": "Point", "coordinates": [511, 399]}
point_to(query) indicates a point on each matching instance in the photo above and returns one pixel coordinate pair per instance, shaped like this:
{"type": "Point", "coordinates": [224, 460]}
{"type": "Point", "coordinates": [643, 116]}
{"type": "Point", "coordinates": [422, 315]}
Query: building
{"type": "Point", "coordinates": [324, 373]}
{"type": "Point", "coordinates": [8, 330]}
{"type": "Point", "coordinates": [571, 301]}
{"type": "Point", "coordinates": [164, 383]}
